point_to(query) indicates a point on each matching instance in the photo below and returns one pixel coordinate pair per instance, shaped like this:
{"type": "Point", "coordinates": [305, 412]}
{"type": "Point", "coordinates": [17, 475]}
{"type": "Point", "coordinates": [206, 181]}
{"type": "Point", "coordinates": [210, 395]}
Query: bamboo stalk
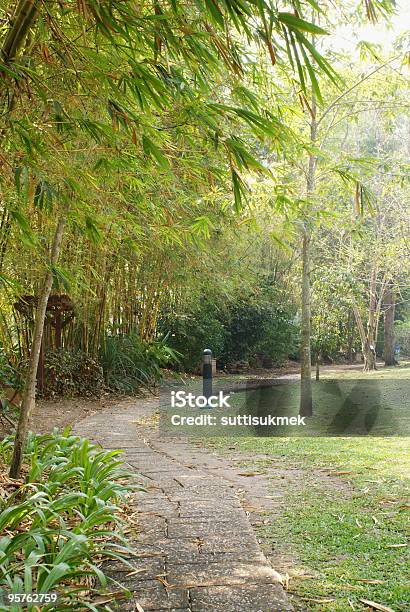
{"type": "Point", "coordinates": [24, 17]}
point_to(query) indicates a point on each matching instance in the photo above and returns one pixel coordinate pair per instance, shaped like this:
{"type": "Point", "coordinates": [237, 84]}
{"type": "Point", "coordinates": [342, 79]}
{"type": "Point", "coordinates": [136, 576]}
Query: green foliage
{"type": "Point", "coordinates": [129, 363]}
{"type": "Point", "coordinates": [10, 374]}
{"type": "Point", "coordinates": [193, 330]}
{"type": "Point", "coordinates": [237, 331]}
{"type": "Point", "coordinates": [259, 328]}
{"type": "Point", "coordinates": [69, 373]}
{"type": "Point", "coordinates": [332, 291]}
{"type": "Point", "coordinates": [60, 524]}
{"type": "Point", "coordinates": [402, 337]}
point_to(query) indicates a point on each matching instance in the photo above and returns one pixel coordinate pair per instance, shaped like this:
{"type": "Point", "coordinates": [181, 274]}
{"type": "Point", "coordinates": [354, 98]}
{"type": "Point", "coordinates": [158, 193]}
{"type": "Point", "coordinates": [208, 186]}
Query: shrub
{"type": "Point", "coordinates": [402, 337]}
{"type": "Point", "coordinates": [10, 375]}
{"type": "Point", "coordinates": [70, 373]}
{"type": "Point", "coordinates": [129, 363]}
{"type": "Point", "coordinates": [191, 332]}
{"type": "Point", "coordinates": [238, 331]}
{"type": "Point", "coordinates": [58, 526]}
{"type": "Point", "coordinates": [259, 329]}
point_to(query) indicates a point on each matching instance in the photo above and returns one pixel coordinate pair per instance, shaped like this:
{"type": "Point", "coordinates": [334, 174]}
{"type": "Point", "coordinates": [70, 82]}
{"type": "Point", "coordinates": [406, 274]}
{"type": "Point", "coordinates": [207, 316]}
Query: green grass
{"type": "Point", "coordinates": [345, 403]}
{"type": "Point", "coordinates": [346, 529]}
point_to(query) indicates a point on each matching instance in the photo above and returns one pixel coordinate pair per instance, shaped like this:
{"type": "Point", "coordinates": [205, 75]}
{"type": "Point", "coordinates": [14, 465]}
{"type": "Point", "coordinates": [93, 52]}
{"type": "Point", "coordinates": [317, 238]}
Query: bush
{"type": "Point", "coordinates": [402, 337]}
{"type": "Point", "coordinates": [10, 375]}
{"type": "Point", "coordinates": [259, 329]}
{"type": "Point", "coordinates": [239, 331]}
{"type": "Point", "coordinates": [71, 373]}
{"type": "Point", "coordinates": [63, 521]}
{"type": "Point", "coordinates": [191, 332]}
{"type": "Point", "coordinates": [129, 364]}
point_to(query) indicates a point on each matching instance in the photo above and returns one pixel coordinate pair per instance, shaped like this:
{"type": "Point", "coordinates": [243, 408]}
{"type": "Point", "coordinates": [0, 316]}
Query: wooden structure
{"type": "Point", "coordinates": [60, 311]}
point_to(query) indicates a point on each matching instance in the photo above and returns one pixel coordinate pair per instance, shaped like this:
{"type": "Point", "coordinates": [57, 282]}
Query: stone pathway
{"type": "Point", "coordinates": [195, 549]}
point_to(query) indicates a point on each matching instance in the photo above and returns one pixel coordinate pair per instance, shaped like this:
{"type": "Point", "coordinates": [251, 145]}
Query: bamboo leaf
{"type": "Point", "coordinates": [151, 149]}
{"type": "Point", "coordinates": [296, 23]}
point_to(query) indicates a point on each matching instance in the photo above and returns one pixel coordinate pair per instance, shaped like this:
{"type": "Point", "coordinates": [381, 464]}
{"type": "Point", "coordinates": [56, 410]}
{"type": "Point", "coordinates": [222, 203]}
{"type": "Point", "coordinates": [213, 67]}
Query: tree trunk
{"type": "Point", "coordinates": [350, 338]}
{"type": "Point", "coordinates": [306, 402]}
{"type": "Point", "coordinates": [369, 356]}
{"type": "Point", "coordinates": [389, 307]}
{"type": "Point", "coordinates": [369, 353]}
{"type": "Point", "coordinates": [30, 386]}
{"type": "Point", "coordinates": [317, 366]}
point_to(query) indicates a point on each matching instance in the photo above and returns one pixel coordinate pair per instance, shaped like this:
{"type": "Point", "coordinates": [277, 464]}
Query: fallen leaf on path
{"type": "Point", "coordinates": [376, 606]}
{"type": "Point", "coordinates": [163, 581]}
{"type": "Point", "coordinates": [199, 542]}
{"type": "Point", "coordinates": [138, 607]}
{"type": "Point", "coordinates": [109, 597]}
{"type": "Point", "coordinates": [101, 600]}
{"type": "Point", "coordinates": [339, 473]}
{"type": "Point", "coordinates": [138, 571]}
{"type": "Point", "coordinates": [319, 601]}
{"type": "Point", "coordinates": [248, 474]}
{"type": "Point", "coordinates": [369, 581]}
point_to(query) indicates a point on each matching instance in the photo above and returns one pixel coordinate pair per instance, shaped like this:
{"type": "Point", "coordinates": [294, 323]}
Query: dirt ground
{"type": "Point", "coordinates": [62, 412]}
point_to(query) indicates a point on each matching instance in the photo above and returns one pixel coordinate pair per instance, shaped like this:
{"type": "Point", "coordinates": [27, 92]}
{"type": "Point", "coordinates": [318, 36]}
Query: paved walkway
{"type": "Point", "coordinates": [195, 549]}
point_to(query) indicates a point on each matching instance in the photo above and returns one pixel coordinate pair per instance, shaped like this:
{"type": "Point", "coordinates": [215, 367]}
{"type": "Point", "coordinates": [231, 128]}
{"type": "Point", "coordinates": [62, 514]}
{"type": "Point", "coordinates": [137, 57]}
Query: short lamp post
{"type": "Point", "coordinates": [207, 373]}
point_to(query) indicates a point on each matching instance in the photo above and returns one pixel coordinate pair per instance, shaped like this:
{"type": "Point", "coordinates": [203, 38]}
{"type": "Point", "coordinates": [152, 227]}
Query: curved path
{"type": "Point", "coordinates": [195, 549]}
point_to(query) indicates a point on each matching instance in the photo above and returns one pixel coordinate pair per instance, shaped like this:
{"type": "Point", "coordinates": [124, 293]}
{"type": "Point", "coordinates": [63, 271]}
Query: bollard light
{"type": "Point", "coordinates": [207, 373]}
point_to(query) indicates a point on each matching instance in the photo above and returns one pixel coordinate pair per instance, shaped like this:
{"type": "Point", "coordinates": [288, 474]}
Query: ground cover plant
{"type": "Point", "coordinates": [61, 522]}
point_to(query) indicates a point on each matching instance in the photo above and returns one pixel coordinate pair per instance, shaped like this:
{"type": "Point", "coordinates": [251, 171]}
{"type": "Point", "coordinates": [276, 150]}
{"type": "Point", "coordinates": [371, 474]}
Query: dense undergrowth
{"type": "Point", "coordinates": [125, 364]}
{"type": "Point", "coordinates": [59, 525]}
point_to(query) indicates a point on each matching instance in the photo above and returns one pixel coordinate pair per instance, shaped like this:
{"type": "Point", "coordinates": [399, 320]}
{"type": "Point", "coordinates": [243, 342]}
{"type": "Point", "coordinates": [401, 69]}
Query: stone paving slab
{"type": "Point", "coordinates": [152, 595]}
{"type": "Point", "coordinates": [189, 529]}
{"type": "Point", "coordinates": [255, 597]}
{"type": "Point", "coordinates": [194, 547]}
{"type": "Point", "coordinates": [201, 557]}
{"type": "Point", "coordinates": [143, 568]}
{"type": "Point", "coordinates": [223, 573]}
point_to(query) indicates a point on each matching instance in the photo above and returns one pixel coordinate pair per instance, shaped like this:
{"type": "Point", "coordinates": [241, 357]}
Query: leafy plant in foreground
{"type": "Point", "coordinates": [57, 528]}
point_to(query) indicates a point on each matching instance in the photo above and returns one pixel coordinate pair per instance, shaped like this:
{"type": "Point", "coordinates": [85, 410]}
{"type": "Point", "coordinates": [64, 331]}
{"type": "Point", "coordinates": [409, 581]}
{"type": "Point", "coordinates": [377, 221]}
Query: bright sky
{"type": "Point", "coordinates": [381, 33]}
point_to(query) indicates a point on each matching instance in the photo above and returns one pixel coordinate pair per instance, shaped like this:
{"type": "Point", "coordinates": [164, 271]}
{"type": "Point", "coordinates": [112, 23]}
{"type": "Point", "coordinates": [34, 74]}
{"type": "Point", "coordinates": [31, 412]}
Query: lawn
{"type": "Point", "coordinates": [348, 534]}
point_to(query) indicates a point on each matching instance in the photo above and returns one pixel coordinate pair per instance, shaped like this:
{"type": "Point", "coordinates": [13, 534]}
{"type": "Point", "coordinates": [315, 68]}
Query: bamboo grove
{"type": "Point", "coordinates": [129, 132]}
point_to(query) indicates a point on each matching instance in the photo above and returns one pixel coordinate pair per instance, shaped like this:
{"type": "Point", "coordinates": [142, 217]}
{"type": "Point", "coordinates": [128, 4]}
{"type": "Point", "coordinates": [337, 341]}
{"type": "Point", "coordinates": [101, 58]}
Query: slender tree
{"type": "Point", "coordinates": [29, 393]}
{"type": "Point", "coordinates": [389, 308]}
